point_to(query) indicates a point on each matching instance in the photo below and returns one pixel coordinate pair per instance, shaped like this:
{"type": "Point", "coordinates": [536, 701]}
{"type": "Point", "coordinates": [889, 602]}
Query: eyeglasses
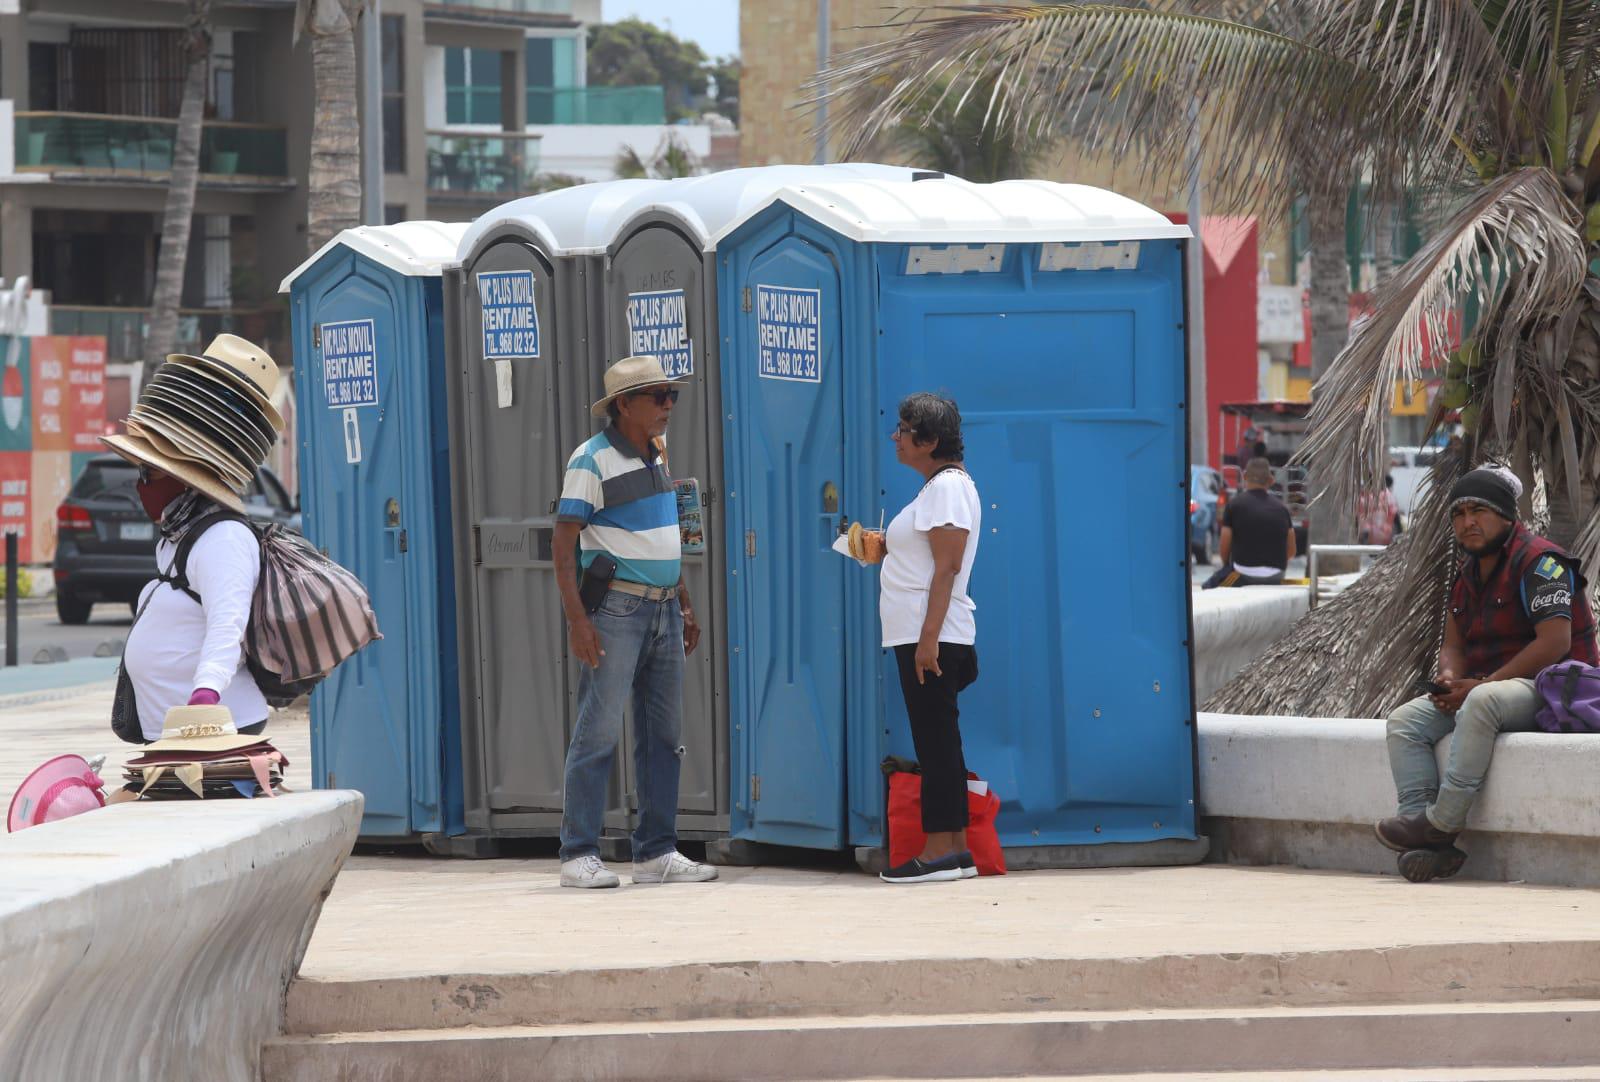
{"type": "Point", "coordinates": [144, 475]}
{"type": "Point", "coordinates": [662, 395]}
{"type": "Point", "coordinates": [902, 429]}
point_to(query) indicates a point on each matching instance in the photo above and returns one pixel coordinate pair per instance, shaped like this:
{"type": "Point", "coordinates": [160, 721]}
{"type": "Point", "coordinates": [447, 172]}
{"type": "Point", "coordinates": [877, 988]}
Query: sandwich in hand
{"type": "Point", "coordinates": [866, 545]}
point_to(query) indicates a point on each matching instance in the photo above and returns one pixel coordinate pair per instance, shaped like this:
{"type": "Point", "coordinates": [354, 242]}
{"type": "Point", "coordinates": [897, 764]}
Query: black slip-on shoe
{"type": "Point", "coordinates": [944, 870]}
{"type": "Point", "coordinates": [1403, 833]}
{"type": "Point", "coordinates": [969, 867]}
{"type": "Point", "coordinates": [1426, 865]}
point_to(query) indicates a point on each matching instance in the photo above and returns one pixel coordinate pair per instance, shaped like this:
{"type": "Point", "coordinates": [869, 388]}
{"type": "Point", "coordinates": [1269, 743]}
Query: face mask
{"type": "Point", "coordinates": [156, 494]}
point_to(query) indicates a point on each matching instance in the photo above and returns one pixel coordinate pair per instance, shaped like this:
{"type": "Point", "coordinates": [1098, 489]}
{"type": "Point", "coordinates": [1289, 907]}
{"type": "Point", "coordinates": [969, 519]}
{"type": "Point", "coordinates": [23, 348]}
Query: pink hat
{"type": "Point", "coordinates": [62, 787]}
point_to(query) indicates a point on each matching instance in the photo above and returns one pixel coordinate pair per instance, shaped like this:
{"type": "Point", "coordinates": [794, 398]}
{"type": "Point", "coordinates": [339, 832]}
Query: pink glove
{"type": "Point", "coordinates": [204, 697]}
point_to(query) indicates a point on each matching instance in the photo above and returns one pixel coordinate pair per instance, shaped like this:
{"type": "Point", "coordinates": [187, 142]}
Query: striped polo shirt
{"type": "Point", "coordinates": [626, 506]}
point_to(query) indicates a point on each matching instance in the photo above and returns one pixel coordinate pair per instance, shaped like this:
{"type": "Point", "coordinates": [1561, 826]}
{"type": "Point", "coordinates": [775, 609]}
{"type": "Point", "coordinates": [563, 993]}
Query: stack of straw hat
{"type": "Point", "coordinates": [207, 420]}
{"type": "Point", "coordinates": [201, 754]}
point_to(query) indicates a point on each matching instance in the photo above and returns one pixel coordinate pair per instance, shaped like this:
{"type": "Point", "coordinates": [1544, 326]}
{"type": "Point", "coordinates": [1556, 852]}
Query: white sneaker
{"type": "Point", "coordinates": [589, 873]}
{"type": "Point", "coordinates": [672, 867]}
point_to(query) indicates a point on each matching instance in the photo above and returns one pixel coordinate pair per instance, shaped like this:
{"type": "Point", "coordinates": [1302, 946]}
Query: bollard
{"type": "Point", "coordinates": [11, 600]}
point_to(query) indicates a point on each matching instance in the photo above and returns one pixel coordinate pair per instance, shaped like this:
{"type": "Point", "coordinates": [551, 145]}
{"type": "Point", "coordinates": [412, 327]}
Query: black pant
{"type": "Point", "coordinates": [935, 731]}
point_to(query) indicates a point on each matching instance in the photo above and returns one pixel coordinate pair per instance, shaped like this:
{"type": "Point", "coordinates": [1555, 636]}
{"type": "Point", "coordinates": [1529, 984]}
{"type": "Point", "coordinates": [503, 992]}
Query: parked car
{"type": "Point", "coordinates": [1208, 495]}
{"type": "Point", "coordinates": [105, 543]}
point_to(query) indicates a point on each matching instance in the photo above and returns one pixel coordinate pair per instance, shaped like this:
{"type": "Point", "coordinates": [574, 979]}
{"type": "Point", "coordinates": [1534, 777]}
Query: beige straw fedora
{"type": "Point", "coordinates": [631, 374]}
{"type": "Point", "coordinates": [200, 729]}
{"type": "Point", "coordinates": [244, 365]}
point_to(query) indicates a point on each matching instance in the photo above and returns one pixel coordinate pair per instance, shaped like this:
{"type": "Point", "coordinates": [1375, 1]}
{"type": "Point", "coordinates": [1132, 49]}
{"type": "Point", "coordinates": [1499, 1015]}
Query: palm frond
{"type": "Point", "coordinates": [1123, 78]}
{"type": "Point", "coordinates": [1515, 250]}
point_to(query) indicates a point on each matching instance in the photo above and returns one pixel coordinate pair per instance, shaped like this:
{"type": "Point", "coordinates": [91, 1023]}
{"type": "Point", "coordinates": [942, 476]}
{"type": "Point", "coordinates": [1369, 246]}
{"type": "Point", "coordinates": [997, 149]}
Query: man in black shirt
{"type": "Point", "coordinates": [1257, 533]}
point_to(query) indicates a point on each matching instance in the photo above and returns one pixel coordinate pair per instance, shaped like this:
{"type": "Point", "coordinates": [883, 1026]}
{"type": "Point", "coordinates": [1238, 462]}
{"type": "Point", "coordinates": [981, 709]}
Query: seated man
{"type": "Point", "coordinates": [1257, 533]}
{"type": "Point", "coordinates": [1518, 605]}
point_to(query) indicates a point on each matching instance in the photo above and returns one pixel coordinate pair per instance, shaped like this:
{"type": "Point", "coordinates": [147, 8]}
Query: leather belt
{"type": "Point", "coordinates": [639, 589]}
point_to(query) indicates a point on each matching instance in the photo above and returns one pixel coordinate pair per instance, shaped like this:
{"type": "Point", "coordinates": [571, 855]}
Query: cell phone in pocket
{"type": "Point", "coordinates": [596, 582]}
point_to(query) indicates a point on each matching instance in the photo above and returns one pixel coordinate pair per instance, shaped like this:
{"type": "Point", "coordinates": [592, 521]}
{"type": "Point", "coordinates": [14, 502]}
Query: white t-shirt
{"type": "Point", "coordinates": [178, 646]}
{"type": "Point", "coordinates": [949, 500]}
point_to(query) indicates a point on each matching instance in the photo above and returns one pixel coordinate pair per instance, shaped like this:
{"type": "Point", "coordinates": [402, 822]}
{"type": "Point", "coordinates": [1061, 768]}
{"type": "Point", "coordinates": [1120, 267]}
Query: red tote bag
{"type": "Point", "coordinates": [906, 838]}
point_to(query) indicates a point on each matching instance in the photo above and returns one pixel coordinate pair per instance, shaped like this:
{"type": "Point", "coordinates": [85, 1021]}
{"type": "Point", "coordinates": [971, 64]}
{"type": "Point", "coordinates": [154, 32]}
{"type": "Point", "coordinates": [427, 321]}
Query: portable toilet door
{"type": "Point", "coordinates": [367, 324]}
{"type": "Point", "coordinates": [517, 310]}
{"type": "Point", "coordinates": [790, 365]}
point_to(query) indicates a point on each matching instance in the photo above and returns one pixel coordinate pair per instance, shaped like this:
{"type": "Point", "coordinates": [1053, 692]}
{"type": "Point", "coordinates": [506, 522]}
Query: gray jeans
{"type": "Point", "coordinates": [1504, 706]}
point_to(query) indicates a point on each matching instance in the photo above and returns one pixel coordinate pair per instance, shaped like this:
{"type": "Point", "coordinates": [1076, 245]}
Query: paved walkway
{"type": "Point", "coordinates": [397, 917]}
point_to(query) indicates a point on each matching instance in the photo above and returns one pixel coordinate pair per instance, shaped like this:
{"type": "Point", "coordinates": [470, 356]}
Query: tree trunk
{"type": "Point", "coordinates": [179, 213]}
{"type": "Point", "coordinates": [1567, 521]}
{"type": "Point", "coordinates": [1330, 330]}
{"type": "Point", "coordinates": [1383, 240]}
{"type": "Point", "coordinates": [334, 196]}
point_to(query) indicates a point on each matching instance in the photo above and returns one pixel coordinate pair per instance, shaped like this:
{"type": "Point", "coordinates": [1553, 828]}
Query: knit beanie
{"type": "Point", "coordinates": [1496, 487]}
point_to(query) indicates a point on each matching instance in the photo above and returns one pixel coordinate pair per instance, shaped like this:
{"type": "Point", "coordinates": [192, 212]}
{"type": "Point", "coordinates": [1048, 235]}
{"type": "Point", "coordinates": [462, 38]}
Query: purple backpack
{"type": "Point", "coordinates": [1569, 694]}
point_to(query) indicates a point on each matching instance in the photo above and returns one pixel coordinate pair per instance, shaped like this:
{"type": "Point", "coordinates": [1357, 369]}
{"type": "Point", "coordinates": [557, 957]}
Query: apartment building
{"type": "Point", "coordinates": [480, 100]}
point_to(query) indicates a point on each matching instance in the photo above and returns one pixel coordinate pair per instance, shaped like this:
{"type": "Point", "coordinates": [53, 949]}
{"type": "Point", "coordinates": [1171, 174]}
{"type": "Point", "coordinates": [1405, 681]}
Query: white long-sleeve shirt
{"type": "Point", "coordinates": [178, 645]}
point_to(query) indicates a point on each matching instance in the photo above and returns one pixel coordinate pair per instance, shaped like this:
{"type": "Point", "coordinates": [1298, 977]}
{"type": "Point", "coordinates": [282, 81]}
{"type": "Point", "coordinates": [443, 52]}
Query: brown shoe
{"type": "Point", "coordinates": [1403, 833]}
{"type": "Point", "coordinates": [1426, 865]}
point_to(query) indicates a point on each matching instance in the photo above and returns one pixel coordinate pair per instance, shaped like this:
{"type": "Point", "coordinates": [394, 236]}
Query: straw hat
{"type": "Point", "coordinates": [243, 365]}
{"type": "Point", "coordinates": [207, 420]}
{"type": "Point", "coordinates": [631, 374]}
{"type": "Point", "coordinates": [140, 452]}
{"type": "Point", "coordinates": [200, 729]}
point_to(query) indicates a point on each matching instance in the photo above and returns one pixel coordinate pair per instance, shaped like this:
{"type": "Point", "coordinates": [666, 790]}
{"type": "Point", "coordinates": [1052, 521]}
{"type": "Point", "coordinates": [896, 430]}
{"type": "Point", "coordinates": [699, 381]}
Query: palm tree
{"type": "Point", "coordinates": [334, 196]}
{"type": "Point", "coordinates": [670, 160]}
{"type": "Point", "coordinates": [178, 216]}
{"type": "Point", "coordinates": [1488, 110]}
{"type": "Point", "coordinates": [947, 132]}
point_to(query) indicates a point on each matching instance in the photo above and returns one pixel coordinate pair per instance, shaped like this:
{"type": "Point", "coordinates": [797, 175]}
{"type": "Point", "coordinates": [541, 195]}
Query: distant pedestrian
{"type": "Point", "coordinates": [1378, 515]}
{"type": "Point", "coordinates": [1257, 534]}
{"type": "Point", "coordinates": [629, 624]}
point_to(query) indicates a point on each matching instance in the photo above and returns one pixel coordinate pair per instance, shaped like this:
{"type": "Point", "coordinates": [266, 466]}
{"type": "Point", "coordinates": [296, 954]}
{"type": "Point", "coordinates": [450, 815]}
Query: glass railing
{"type": "Point", "coordinates": [124, 329]}
{"type": "Point", "coordinates": [516, 7]}
{"type": "Point", "coordinates": [597, 105]}
{"type": "Point", "coordinates": [143, 145]}
{"type": "Point", "coordinates": [473, 163]}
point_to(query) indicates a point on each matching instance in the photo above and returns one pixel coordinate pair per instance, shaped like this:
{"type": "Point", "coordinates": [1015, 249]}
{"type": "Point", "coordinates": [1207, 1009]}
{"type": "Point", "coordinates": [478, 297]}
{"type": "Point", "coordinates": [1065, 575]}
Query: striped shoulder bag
{"type": "Point", "coordinates": [307, 616]}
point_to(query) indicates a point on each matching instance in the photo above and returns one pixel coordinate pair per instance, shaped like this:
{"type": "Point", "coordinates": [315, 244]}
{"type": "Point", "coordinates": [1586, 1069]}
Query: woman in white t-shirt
{"type": "Point", "coordinates": [927, 620]}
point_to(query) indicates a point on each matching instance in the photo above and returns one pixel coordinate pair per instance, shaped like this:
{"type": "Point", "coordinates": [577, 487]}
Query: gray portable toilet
{"type": "Point", "coordinates": [518, 321]}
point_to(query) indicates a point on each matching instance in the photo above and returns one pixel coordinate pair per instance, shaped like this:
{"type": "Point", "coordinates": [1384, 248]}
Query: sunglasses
{"type": "Point", "coordinates": [662, 395]}
{"type": "Point", "coordinates": [902, 429]}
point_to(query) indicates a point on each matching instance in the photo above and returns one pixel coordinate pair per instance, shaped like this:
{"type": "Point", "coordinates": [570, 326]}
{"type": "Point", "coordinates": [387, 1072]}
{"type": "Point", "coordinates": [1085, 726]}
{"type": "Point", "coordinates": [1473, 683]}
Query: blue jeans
{"type": "Point", "coordinates": [643, 644]}
{"type": "Point", "coordinates": [1503, 706]}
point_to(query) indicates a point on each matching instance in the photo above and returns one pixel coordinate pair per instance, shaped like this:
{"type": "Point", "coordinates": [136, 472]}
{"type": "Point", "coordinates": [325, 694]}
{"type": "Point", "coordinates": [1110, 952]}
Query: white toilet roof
{"type": "Point", "coordinates": [412, 248]}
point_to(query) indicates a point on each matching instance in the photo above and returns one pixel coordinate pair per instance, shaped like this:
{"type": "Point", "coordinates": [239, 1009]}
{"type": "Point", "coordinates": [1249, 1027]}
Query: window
{"type": "Point", "coordinates": [552, 65]}
{"type": "Point", "coordinates": [103, 476]}
{"type": "Point", "coordinates": [394, 213]}
{"type": "Point", "coordinates": [394, 94]}
{"type": "Point", "coordinates": [472, 86]}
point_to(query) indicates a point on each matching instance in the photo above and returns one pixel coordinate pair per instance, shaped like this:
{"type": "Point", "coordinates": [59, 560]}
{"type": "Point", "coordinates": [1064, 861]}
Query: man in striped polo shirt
{"type": "Point", "coordinates": [618, 507]}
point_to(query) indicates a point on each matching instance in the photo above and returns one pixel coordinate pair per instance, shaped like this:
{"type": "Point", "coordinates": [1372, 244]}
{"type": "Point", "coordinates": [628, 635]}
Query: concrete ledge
{"type": "Point", "coordinates": [156, 940]}
{"type": "Point", "coordinates": [1306, 791]}
{"type": "Point", "coordinates": [1233, 627]}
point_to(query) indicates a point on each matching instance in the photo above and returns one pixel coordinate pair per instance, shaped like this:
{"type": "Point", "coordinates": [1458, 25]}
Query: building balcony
{"type": "Point", "coordinates": [482, 165]}
{"type": "Point", "coordinates": [112, 147]}
{"type": "Point", "coordinates": [124, 329]}
{"type": "Point", "coordinates": [597, 105]}
{"type": "Point", "coordinates": [512, 12]}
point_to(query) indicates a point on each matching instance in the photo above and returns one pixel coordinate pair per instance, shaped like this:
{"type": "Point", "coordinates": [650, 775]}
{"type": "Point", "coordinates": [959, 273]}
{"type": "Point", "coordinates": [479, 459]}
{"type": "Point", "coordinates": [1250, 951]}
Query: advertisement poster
{"type": "Point", "coordinates": [86, 392]}
{"type": "Point", "coordinates": [16, 477]}
{"type": "Point", "coordinates": [49, 397]}
{"type": "Point", "coordinates": [691, 516]}
{"type": "Point", "coordinates": [51, 480]}
{"type": "Point", "coordinates": [16, 419]}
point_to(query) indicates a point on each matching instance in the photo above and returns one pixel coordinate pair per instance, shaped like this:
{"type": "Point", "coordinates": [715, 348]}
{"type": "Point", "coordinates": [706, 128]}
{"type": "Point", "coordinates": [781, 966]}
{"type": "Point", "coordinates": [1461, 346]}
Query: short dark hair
{"type": "Point", "coordinates": [932, 417]}
{"type": "Point", "coordinates": [611, 409]}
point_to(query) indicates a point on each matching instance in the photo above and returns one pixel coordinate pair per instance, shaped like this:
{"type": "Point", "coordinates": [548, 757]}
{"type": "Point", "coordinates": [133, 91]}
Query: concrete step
{"type": "Point", "coordinates": [1415, 974]}
{"type": "Point", "coordinates": [1557, 1034]}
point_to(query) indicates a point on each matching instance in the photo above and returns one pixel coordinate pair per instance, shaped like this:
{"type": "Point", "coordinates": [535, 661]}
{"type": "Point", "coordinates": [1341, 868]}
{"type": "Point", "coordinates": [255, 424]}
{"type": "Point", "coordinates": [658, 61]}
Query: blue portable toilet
{"type": "Point", "coordinates": [368, 331]}
{"type": "Point", "coordinates": [1054, 315]}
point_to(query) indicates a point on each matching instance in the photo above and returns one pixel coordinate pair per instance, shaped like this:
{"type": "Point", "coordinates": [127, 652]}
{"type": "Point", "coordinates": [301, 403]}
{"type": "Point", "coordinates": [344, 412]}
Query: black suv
{"type": "Point", "coordinates": [105, 543]}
